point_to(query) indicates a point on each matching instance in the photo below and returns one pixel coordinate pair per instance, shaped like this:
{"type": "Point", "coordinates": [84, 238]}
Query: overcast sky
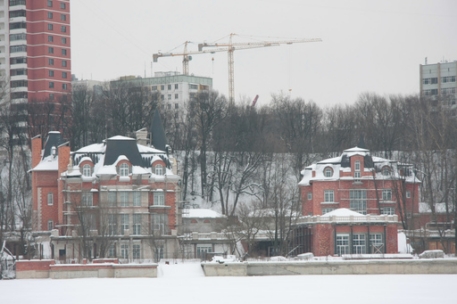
{"type": "Point", "coordinates": [373, 46]}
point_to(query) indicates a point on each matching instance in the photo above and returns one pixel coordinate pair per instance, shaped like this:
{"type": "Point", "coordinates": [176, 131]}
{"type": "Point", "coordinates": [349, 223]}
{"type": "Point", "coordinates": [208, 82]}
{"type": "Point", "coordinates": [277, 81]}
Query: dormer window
{"type": "Point", "coordinates": [328, 172]}
{"type": "Point", "coordinates": [87, 170]}
{"type": "Point", "coordinates": [124, 169]}
{"type": "Point", "coordinates": [158, 169]}
{"type": "Point", "coordinates": [357, 166]}
{"type": "Point", "coordinates": [386, 171]}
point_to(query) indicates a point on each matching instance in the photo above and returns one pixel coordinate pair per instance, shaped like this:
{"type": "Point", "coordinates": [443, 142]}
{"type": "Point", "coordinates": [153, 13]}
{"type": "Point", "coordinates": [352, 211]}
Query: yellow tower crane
{"type": "Point", "coordinates": [230, 48]}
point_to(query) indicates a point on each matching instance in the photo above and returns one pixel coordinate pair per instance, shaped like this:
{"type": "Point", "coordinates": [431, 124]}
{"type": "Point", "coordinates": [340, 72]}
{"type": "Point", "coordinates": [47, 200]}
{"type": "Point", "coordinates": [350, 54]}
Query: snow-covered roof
{"type": "Point", "coordinates": [342, 164]}
{"type": "Point", "coordinates": [49, 163]}
{"type": "Point", "coordinates": [201, 213]}
{"type": "Point", "coordinates": [342, 212]}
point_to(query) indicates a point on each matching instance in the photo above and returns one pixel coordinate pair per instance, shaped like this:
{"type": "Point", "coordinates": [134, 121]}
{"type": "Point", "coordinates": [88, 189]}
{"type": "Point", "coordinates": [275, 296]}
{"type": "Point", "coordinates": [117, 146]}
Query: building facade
{"type": "Point", "coordinates": [438, 80]}
{"type": "Point", "coordinates": [115, 199]}
{"type": "Point", "coordinates": [35, 49]}
{"type": "Point", "coordinates": [174, 89]}
{"type": "Point", "coordinates": [355, 203]}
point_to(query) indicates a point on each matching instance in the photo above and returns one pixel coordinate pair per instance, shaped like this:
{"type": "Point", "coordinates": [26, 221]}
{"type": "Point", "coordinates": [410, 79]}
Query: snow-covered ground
{"type": "Point", "coordinates": [185, 283]}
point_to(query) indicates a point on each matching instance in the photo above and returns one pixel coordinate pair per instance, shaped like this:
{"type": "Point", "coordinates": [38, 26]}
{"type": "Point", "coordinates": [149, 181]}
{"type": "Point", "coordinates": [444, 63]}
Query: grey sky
{"type": "Point", "coordinates": [374, 46]}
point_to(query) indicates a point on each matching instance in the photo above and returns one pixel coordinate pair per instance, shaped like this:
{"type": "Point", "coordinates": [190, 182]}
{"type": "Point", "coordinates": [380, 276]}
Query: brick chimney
{"type": "Point", "coordinates": [37, 146]}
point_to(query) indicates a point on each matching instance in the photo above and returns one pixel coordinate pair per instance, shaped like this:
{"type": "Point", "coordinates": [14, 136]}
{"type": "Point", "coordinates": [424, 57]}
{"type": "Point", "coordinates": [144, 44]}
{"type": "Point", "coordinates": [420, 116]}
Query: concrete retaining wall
{"type": "Point", "coordinates": [47, 269]}
{"type": "Point", "coordinates": [442, 266]}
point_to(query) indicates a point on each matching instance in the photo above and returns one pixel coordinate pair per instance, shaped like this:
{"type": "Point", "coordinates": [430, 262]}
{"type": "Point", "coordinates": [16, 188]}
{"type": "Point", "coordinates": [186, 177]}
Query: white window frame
{"type": "Point", "coordinates": [358, 200]}
{"type": "Point", "coordinates": [124, 251]}
{"type": "Point", "coordinates": [124, 198]}
{"type": "Point", "coordinates": [327, 210]}
{"type": "Point", "coordinates": [357, 165]}
{"type": "Point", "coordinates": [136, 251]}
{"type": "Point", "coordinates": [112, 224]}
{"type": "Point", "coordinates": [329, 196]}
{"type": "Point", "coordinates": [159, 198]}
{"type": "Point", "coordinates": [50, 198]}
{"type": "Point", "coordinates": [136, 198]}
{"type": "Point", "coordinates": [310, 196]}
{"type": "Point", "coordinates": [158, 169]}
{"type": "Point", "coordinates": [87, 170]}
{"type": "Point", "coordinates": [387, 210]}
{"type": "Point", "coordinates": [342, 244]}
{"type": "Point", "coordinates": [87, 199]}
{"type": "Point", "coordinates": [359, 243]}
{"type": "Point", "coordinates": [328, 172]}
{"type": "Point", "coordinates": [125, 221]}
{"type": "Point", "coordinates": [124, 169]}
{"type": "Point", "coordinates": [408, 194]}
{"type": "Point", "coordinates": [137, 224]}
{"type": "Point", "coordinates": [386, 194]}
{"type": "Point", "coordinates": [50, 225]}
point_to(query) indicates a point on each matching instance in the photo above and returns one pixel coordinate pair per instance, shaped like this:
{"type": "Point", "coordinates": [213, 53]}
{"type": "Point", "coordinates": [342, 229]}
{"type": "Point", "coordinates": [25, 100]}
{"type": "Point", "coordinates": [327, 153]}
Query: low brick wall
{"type": "Point", "coordinates": [435, 266]}
{"type": "Point", "coordinates": [42, 269]}
{"type": "Point", "coordinates": [33, 269]}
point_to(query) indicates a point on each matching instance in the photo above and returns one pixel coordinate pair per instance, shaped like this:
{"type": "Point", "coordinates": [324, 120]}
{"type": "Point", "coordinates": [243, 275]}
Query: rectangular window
{"type": "Point", "coordinates": [112, 199]}
{"type": "Point", "coordinates": [176, 106]}
{"type": "Point", "coordinates": [124, 198]}
{"type": "Point", "coordinates": [50, 15]}
{"type": "Point", "coordinates": [124, 222]}
{"type": "Point", "coordinates": [50, 225]}
{"type": "Point", "coordinates": [21, 36]}
{"type": "Point", "coordinates": [64, 40]}
{"type": "Point", "coordinates": [64, 52]}
{"type": "Point", "coordinates": [328, 196]}
{"type": "Point", "coordinates": [64, 86]}
{"type": "Point", "coordinates": [112, 251]}
{"type": "Point", "coordinates": [327, 210]}
{"type": "Point", "coordinates": [50, 199]}
{"type": "Point", "coordinates": [376, 243]}
{"type": "Point", "coordinates": [124, 251]}
{"type": "Point", "coordinates": [112, 224]}
{"type": "Point", "coordinates": [49, 3]}
{"type": "Point", "coordinates": [50, 39]}
{"type": "Point", "coordinates": [63, 29]}
{"type": "Point", "coordinates": [64, 74]}
{"type": "Point", "coordinates": [386, 195]}
{"type": "Point", "coordinates": [408, 194]}
{"type": "Point", "coordinates": [358, 201]}
{"type": "Point", "coordinates": [359, 244]}
{"type": "Point", "coordinates": [388, 210]}
{"type": "Point", "coordinates": [310, 196]}
{"type": "Point", "coordinates": [162, 87]}
{"type": "Point", "coordinates": [51, 85]}
{"type": "Point", "coordinates": [357, 166]}
{"type": "Point", "coordinates": [51, 61]}
{"type": "Point", "coordinates": [64, 63]}
{"type": "Point", "coordinates": [176, 86]}
{"type": "Point", "coordinates": [159, 199]}
{"type": "Point", "coordinates": [159, 223]}
{"type": "Point", "coordinates": [342, 244]}
{"type": "Point", "coordinates": [63, 17]}
{"type": "Point", "coordinates": [169, 86]}
{"type": "Point", "coordinates": [136, 198]}
{"type": "Point", "coordinates": [136, 251]}
{"type": "Point", "coordinates": [63, 5]}
{"type": "Point", "coordinates": [137, 224]}
{"type": "Point", "coordinates": [169, 96]}
{"type": "Point", "coordinates": [193, 86]}
{"type": "Point", "coordinates": [50, 27]}
{"type": "Point", "coordinates": [86, 199]}
{"type": "Point", "coordinates": [203, 249]}
{"type": "Point", "coordinates": [51, 73]}
{"type": "Point", "coordinates": [176, 96]}
{"type": "Point", "coordinates": [50, 50]}
{"type": "Point", "coordinates": [18, 48]}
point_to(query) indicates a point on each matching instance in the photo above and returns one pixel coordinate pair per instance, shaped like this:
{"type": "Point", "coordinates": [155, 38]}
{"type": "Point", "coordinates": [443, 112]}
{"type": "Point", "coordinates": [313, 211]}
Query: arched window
{"type": "Point", "coordinates": [328, 172]}
{"type": "Point", "coordinates": [87, 170]}
{"type": "Point", "coordinates": [124, 169]}
{"type": "Point", "coordinates": [158, 170]}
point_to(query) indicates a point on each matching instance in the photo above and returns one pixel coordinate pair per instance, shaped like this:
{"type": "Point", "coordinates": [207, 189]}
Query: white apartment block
{"type": "Point", "coordinates": [439, 80]}
{"type": "Point", "coordinates": [175, 89]}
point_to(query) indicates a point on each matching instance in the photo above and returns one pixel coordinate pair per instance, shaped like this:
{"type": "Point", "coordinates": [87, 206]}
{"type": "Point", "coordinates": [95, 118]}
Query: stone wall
{"type": "Point", "coordinates": [441, 266]}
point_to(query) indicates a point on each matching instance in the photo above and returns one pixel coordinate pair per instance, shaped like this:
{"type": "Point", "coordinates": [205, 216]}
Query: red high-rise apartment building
{"type": "Point", "coordinates": [35, 49]}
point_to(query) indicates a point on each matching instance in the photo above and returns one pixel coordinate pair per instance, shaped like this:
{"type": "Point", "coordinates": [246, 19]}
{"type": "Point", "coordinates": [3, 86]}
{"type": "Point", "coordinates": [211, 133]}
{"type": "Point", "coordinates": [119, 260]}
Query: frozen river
{"type": "Point", "coordinates": [185, 283]}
